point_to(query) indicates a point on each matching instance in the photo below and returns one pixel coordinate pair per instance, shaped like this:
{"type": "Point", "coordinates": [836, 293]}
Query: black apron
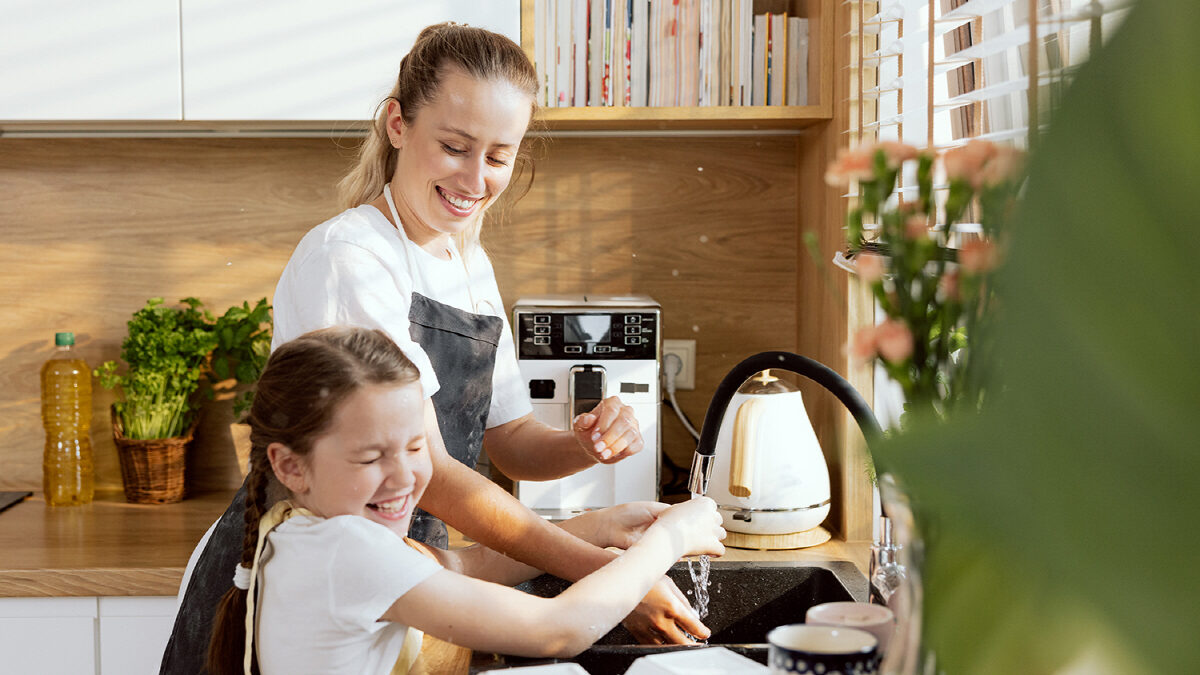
{"type": "Point", "coordinates": [462, 348]}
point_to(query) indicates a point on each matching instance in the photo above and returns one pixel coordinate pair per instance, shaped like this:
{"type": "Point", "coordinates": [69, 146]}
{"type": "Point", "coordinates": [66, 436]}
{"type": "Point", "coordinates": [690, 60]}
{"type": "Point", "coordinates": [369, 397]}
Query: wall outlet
{"type": "Point", "coordinates": [686, 351]}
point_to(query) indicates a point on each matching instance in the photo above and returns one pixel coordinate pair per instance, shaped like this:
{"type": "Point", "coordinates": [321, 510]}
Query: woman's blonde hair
{"type": "Point", "coordinates": [480, 53]}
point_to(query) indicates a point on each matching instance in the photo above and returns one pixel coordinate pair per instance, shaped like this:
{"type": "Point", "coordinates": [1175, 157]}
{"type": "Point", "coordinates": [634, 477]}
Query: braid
{"type": "Point", "coordinates": [227, 647]}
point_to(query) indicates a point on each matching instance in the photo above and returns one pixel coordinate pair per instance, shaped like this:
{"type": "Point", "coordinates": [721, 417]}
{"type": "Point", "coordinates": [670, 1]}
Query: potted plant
{"type": "Point", "coordinates": [166, 351]}
{"type": "Point", "coordinates": [169, 353]}
{"type": "Point", "coordinates": [243, 345]}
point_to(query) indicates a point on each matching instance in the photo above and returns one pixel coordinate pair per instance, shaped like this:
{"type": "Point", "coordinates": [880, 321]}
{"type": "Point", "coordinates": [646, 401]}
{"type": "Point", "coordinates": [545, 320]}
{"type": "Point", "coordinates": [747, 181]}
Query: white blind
{"type": "Point", "coordinates": [939, 72]}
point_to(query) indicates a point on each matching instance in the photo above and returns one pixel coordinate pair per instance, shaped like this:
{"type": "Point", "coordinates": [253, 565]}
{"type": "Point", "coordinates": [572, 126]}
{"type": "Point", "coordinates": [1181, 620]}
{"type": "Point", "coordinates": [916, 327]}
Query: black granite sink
{"type": "Point", "coordinates": [748, 599]}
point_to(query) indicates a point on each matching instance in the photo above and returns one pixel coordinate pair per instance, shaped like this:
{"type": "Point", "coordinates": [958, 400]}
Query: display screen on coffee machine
{"type": "Point", "coordinates": [557, 335]}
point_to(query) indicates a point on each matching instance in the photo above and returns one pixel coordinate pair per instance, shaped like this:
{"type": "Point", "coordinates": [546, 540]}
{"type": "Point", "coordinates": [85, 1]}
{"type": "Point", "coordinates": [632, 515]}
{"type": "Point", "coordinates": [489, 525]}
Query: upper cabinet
{"type": "Point", "coordinates": [310, 59]}
{"type": "Point", "coordinates": [214, 60]}
{"type": "Point", "coordinates": [81, 59]}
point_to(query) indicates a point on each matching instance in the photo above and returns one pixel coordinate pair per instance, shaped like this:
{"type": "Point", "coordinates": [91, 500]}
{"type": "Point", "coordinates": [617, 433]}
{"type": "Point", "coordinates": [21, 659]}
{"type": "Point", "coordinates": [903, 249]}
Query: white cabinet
{"type": "Point", "coordinates": [87, 60]}
{"type": "Point", "coordinates": [134, 633]}
{"type": "Point", "coordinates": [79, 636]}
{"type": "Point", "coordinates": [310, 59]}
{"type": "Point", "coordinates": [48, 635]}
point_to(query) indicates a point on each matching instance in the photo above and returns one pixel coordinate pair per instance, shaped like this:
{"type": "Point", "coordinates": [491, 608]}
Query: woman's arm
{"type": "Point", "coordinates": [618, 526]}
{"type": "Point", "coordinates": [483, 511]}
{"type": "Point", "coordinates": [526, 449]}
{"type": "Point", "coordinates": [490, 617]}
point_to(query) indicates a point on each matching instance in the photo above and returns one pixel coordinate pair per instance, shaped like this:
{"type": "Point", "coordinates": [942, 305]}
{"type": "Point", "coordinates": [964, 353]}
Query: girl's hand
{"type": "Point", "coordinates": [698, 523]}
{"type": "Point", "coordinates": [620, 526]}
{"type": "Point", "coordinates": [610, 432]}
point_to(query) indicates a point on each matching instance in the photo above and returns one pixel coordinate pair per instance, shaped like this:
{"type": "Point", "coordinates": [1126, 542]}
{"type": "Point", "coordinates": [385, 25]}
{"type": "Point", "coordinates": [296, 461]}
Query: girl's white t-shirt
{"type": "Point", "coordinates": [357, 269]}
{"type": "Point", "coordinates": [325, 582]}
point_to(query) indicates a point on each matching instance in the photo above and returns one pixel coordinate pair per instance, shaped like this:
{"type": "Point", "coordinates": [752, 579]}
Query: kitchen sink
{"type": "Point", "coordinates": [747, 599]}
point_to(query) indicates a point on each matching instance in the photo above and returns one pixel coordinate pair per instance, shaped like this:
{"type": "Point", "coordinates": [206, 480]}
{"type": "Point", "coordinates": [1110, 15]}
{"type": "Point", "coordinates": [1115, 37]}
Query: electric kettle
{"type": "Point", "coordinates": [769, 476]}
{"type": "Point", "coordinates": [783, 486]}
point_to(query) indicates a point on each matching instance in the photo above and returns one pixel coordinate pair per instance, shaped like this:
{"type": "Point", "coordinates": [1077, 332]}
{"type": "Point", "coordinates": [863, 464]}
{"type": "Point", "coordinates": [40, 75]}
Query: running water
{"type": "Point", "coordinates": [700, 581]}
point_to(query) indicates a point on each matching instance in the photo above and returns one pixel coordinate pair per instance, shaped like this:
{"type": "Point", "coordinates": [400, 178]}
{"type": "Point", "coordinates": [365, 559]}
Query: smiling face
{"type": "Point", "coordinates": [457, 156]}
{"type": "Point", "coordinates": [373, 461]}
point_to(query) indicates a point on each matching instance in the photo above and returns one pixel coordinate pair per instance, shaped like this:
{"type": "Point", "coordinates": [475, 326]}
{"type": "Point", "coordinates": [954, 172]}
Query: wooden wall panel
{"type": "Point", "coordinates": [90, 228]}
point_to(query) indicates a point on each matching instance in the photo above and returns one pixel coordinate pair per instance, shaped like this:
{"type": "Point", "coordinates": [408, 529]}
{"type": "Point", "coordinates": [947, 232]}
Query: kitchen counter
{"type": "Point", "coordinates": [114, 548]}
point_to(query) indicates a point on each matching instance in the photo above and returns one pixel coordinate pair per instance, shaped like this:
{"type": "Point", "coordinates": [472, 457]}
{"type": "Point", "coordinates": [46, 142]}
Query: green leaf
{"type": "Point", "coordinates": [1070, 501]}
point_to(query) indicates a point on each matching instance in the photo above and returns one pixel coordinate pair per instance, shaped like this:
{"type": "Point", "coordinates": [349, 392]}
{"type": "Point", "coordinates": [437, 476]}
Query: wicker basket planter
{"type": "Point", "coordinates": [152, 469]}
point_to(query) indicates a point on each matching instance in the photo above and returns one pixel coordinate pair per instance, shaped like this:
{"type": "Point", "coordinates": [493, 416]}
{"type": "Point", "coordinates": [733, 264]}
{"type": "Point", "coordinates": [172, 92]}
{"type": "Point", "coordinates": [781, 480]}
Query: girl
{"type": "Point", "coordinates": [339, 422]}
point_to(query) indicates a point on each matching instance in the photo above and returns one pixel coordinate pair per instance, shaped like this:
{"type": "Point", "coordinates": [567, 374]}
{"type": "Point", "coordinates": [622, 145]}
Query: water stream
{"type": "Point", "coordinates": [700, 582]}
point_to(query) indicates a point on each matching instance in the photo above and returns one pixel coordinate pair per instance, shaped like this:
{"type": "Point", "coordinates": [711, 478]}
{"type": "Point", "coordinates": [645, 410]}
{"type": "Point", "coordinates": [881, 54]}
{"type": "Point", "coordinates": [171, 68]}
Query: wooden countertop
{"type": "Point", "coordinates": [109, 547]}
{"type": "Point", "coordinates": [114, 548]}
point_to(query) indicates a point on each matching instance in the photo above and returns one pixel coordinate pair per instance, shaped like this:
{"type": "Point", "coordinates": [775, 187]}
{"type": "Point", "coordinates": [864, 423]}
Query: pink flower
{"type": "Point", "coordinates": [949, 285]}
{"type": "Point", "coordinates": [894, 341]}
{"type": "Point", "coordinates": [895, 153]}
{"type": "Point", "coordinates": [916, 226]}
{"type": "Point", "coordinates": [978, 256]}
{"type": "Point", "coordinates": [967, 161]}
{"type": "Point", "coordinates": [870, 267]}
{"type": "Point", "coordinates": [852, 164]}
{"type": "Point", "coordinates": [1003, 166]}
{"type": "Point", "coordinates": [862, 347]}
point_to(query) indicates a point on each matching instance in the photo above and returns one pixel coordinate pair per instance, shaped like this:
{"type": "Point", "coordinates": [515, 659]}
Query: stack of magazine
{"type": "Point", "coordinates": [677, 53]}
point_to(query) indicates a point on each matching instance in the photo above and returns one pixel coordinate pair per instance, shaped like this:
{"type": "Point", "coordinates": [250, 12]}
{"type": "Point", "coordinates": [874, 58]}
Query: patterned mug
{"type": "Point", "coordinates": [799, 649]}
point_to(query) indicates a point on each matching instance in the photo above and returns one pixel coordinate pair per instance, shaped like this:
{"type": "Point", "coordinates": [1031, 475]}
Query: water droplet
{"type": "Point", "coordinates": [704, 239]}
{"type": "Point", "coordinates": [699, 168]}
{"type": "Point", "coordinates": [674, 273]}
{"type": "Point", "coordinates": [229, 263]}
{"type": "Point", "coordinates": [635, 255]}
{"type": "Point", "coordinates": [695, 329]}
{"type": "Point", "coordinates": [780, 357]}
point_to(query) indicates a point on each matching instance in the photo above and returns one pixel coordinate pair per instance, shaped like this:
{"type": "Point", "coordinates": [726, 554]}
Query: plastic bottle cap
{"type": "Point", "coordinates": [64, 339]}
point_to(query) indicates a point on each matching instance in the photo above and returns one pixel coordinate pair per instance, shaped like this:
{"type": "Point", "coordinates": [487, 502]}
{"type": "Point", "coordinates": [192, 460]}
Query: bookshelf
{"type": "Point", "coordinates": [820, 88]}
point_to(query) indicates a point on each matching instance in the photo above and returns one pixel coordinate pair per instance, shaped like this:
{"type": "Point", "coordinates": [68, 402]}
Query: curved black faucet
{"type": "Point", "coordinates": [801, 365]}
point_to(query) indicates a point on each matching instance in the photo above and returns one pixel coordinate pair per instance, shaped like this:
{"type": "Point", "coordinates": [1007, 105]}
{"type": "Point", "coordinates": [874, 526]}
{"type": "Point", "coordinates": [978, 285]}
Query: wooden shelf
{"type": "Point", "coordinates": [714, 117]}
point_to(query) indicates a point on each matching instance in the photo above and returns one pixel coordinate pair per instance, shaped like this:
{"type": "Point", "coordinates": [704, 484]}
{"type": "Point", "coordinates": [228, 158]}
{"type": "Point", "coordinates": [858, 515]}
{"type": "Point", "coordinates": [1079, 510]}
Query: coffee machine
{"type": "Point", "coordinates": [573, 351]}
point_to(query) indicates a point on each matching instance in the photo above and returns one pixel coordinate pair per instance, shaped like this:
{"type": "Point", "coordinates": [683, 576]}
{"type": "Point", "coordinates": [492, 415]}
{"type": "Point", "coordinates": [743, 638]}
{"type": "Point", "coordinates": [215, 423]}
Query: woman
{"type": "Point", "coordinates": [408, 262]}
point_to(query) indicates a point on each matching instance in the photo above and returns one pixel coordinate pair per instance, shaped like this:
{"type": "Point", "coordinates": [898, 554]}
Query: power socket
{"type": "Point", "coordinates": [686, 351]}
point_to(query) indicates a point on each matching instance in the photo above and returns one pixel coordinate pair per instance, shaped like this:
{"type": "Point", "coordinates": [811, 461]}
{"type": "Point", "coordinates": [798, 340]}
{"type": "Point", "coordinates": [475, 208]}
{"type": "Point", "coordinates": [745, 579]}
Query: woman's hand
{"type": "Point", "coordinates": [665, 617]}
{"type": "Point", "coordinates": [610, 432]}
{"type": "Point", "coordinates": [618, 526]}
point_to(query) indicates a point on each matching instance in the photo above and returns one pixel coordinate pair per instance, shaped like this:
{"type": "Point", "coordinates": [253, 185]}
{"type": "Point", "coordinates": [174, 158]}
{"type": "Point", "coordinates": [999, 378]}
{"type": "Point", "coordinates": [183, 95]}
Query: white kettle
{"type": "Point", "coordinates": [769, 476]}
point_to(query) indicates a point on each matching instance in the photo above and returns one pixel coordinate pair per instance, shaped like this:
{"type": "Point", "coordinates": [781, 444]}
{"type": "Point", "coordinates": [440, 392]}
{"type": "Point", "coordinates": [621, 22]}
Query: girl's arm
{"type": "Point", "coordinates": [618, 526]}
{"type": "Point", "coordinates": [483, 511]}
{"type": "Point", "coordinates": [490, 617]}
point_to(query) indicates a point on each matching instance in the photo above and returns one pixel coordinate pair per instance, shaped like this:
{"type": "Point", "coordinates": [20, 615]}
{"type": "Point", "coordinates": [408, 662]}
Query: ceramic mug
{"type": "Point", "coordinates": [875, 619]}
{"type": "Point", "coordinates": [800, 649]}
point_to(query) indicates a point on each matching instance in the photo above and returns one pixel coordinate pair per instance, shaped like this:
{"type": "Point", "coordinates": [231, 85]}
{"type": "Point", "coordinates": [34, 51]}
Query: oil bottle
{"type": "Point", "coordinates": [67, 469]}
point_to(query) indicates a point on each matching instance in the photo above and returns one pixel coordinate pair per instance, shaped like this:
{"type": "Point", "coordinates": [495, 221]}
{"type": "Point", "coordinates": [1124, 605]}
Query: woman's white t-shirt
{"type": "Point", "coordinates": [325, 582]}
{"type": "Point", "coordinates": [357, 269]}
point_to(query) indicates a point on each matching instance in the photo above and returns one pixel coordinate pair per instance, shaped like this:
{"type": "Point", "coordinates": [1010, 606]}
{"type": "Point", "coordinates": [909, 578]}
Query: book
{"type": "Point", "coordinates": [595, 51]}
{"type": "Point", "coordinates": [562, 53]}
{"type": "Point", "coordinates": [579, 43]}
{"type": "Point", "coordinates": [777, 63]}
{"type": "Point", "coordinates": [797, 55]}
{"type": "Point", "coordinates": [758, 77]}
{"type": "Point", "coordinates": [639, 52]}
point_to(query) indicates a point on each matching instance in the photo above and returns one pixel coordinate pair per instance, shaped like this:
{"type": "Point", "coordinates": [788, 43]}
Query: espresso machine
{"type": "Point", "coordinates": [573, 351]}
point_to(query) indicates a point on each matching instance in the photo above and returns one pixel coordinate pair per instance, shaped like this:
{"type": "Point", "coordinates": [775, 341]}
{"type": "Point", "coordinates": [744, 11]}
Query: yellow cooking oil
{"type": "Point", "coordinates": [67, 469]}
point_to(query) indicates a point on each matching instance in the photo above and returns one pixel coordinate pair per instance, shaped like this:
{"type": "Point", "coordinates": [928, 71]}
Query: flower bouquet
{"type": "Point", "coordinates": [934, 294]}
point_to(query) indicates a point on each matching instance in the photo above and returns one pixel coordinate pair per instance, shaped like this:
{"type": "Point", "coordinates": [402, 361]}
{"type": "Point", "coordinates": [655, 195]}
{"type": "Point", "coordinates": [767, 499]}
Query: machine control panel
{"type": "Point", "coordinates": [565, 334]}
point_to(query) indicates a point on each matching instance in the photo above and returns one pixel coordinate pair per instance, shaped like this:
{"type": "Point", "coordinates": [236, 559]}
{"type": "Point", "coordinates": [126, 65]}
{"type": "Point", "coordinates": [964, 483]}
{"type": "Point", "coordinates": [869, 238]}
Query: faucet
{"type": "Point", "coordinates": [704, 458]}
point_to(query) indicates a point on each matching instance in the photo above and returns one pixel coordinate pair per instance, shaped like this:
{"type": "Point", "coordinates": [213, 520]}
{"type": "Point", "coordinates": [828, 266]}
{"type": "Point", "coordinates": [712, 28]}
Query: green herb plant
{"type": "Point", "coordinates": [167, 351]}
{"type": "Point", "coordinates": [171, 351]}
{"type": "Point", "coordinates": [243, 345]}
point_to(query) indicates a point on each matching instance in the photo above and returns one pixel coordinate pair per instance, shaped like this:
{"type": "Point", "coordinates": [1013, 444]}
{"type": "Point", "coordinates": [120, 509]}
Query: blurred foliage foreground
{"type": "Point", "coordinates": [1060, 524]}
